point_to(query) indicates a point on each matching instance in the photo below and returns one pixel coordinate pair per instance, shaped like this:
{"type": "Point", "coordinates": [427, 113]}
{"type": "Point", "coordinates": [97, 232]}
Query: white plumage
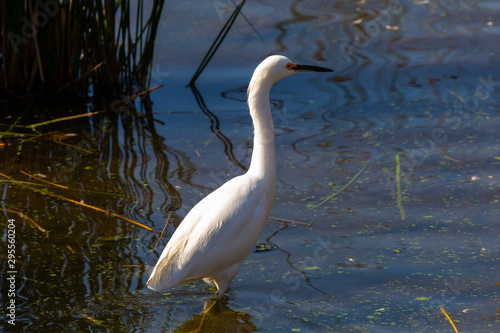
{"type": "Point", "coordinates": [219, 232]}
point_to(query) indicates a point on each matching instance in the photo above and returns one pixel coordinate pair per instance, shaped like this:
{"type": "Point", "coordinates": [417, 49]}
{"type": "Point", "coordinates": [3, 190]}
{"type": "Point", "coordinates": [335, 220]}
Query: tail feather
{"type": "Point", "coordinates": [148, 269]}
{"type": "Point", "coordinates": [160, 278]}
{"type": "Point", "coordinates": [164, 274]}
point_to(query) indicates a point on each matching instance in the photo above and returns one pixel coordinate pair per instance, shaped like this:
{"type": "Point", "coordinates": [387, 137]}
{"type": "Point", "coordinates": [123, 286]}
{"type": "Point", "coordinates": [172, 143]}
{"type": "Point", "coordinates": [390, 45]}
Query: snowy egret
{"type": "Point", "coordinates": [220, 231]}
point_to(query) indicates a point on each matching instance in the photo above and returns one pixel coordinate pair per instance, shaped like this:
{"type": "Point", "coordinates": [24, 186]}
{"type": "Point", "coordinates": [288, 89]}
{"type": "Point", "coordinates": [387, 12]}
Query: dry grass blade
{"type": "Point", "coordinates": [289, 221]}
{"type": "Point", "coordinates": [161, 234]}
{"type": "Point", "coordinates": [95, 321]}
{"type": "Point", "coordinates": [142, 93]}
{"type": "Point", "coordinates": [213, 135]}
{"type": "Point", "coordinates": [2, 134]}
{"type": "Point", "coordinates": [64, 119]}
{"type": "Point", "coordinates": [451, 159]}
{"type": "Point", "coordinates": [343, 187]}
{"type": "Point", "coordinates": [16, 134]}
{"type": "Point", "coordinates": [460, 98]}
{"type": "Point", "coordinates": [27, 218]}
{"type": "Point", "coordinates": [450, 320]}
{"type": "Point", "coordinates": [398, 187]}
{"type": "Point", "coordinates": [43, 180]}
{"type": "Point", "coordinates": [79, 203]}
{"type": "Point", "coordinates": [56, 134]}
{"type": "Point", "coordinates": [75, 147]}
{"type": "Point", "coordinates": [81, 78]}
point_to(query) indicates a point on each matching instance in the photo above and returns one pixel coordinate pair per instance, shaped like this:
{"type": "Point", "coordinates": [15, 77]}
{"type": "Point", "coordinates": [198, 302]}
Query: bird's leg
{"type": "Point", "coordinates": [222, 291]}
{"type": "Point", "coordinates": [225, 278]}
{"type": "Point", "coordinates": [203, 317]}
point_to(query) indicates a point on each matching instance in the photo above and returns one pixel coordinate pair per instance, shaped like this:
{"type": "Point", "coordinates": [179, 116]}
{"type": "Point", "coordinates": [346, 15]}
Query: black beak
{"type": "Point", "coordinates": [309, 68]}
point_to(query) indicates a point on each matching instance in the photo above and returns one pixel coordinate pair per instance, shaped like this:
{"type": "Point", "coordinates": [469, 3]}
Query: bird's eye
{"type": "Point", "coordinates": [290, 65]}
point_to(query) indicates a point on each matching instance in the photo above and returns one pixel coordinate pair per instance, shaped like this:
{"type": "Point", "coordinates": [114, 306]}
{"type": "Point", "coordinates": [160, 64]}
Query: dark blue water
{"type": "Point", "coordinates": [414, 81]}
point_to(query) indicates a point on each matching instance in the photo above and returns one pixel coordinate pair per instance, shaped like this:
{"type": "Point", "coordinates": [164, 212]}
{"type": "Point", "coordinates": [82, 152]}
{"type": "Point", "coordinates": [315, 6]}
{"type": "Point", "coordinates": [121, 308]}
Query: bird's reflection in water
{"type": "Point", "coordinates": [218, 317]}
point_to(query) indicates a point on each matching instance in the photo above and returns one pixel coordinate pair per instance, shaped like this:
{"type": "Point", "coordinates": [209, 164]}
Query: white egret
{"type": "Point", "coordinates": [219, 232]}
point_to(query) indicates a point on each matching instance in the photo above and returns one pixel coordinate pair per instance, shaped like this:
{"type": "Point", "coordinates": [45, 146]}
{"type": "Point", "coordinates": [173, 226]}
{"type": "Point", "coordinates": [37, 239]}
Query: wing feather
{"type": "Point", "coordinates": [218, 232]}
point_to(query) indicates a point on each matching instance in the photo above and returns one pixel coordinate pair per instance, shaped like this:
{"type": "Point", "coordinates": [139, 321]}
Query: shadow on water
{"type": "Point", "coordinates": [215, 128]}
{"type": "Point", "coordinates": [218, 317]}
{"type": "Point", "coordinates": [87, 260]}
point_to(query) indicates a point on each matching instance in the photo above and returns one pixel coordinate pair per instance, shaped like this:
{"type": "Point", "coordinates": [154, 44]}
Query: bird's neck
{"type": "Point", "coordinates": [263, 164]}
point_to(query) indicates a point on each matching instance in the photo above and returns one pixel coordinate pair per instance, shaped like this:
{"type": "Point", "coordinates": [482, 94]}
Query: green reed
{"type": "Point", "coordinates": [398, 188]}
{"type": "Point", "coordinates": [76, 47]}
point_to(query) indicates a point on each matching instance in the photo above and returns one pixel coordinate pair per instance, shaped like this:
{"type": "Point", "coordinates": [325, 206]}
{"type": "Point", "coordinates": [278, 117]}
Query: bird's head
{"type": "Point", "coordinates": [277, 67]}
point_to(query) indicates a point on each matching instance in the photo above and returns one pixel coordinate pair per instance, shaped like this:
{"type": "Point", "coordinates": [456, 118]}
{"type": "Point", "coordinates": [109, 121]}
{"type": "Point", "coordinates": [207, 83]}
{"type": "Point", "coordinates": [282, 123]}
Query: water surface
{"type": "Point", "coordinates": [413, 79]}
